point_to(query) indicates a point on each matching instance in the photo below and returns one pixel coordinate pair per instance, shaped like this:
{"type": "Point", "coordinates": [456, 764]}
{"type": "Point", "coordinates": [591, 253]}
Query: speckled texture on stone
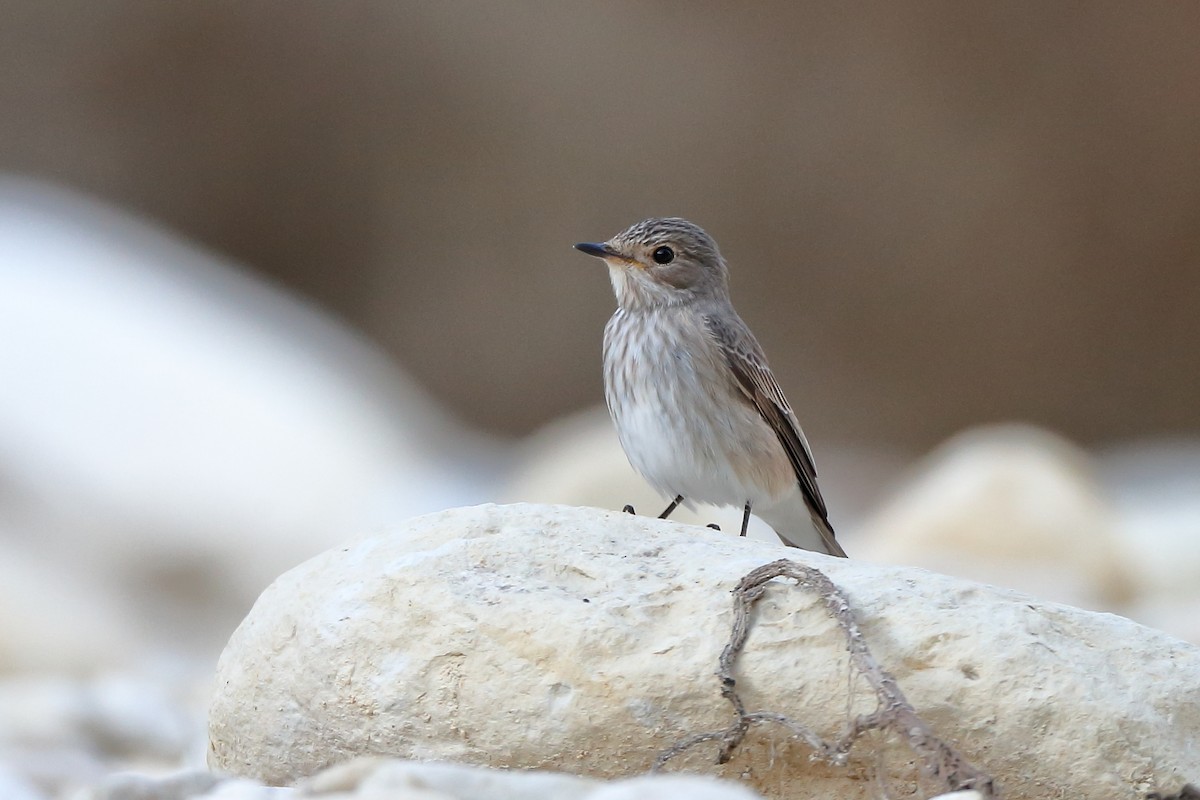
{"type": "Point", "coordinates": [586, 641]}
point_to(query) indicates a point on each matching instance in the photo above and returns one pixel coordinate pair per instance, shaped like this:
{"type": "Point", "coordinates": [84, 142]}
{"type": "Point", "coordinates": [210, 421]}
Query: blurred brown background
{"type": "Point", "coordinates": [937, 213]}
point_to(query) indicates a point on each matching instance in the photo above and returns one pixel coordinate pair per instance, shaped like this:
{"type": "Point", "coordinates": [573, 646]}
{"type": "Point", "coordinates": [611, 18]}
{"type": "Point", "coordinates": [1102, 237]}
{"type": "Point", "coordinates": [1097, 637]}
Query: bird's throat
{"type": "Point", "coordinates": [635, 291]}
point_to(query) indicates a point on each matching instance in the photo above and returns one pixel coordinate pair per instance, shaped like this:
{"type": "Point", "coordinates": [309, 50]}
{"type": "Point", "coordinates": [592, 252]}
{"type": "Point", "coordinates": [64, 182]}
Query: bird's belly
{"type": "Point", "coordinates": [674, 459]}
{"type": "Point", "coordinates": [694, 438]}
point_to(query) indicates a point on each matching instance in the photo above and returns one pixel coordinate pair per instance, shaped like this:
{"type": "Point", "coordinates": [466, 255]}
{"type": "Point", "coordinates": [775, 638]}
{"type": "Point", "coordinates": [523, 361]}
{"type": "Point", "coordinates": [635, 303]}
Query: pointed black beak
{"type": "Point", "coordinates": [595, 249]}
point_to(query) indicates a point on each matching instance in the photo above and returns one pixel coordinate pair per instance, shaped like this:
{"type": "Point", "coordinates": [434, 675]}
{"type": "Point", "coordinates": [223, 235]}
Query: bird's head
{"type": "Point", "coordinates": [662, 261]}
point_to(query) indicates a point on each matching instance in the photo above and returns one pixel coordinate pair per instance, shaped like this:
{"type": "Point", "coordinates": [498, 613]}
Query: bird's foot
{"type": "Point", "coordinates": [628, 509]}
{"type": "Point", "coordinates": [714, 526]}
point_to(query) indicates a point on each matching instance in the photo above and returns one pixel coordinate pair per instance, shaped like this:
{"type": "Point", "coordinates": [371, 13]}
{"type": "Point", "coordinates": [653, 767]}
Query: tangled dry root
{"type": "Point", "coordinates": [894, 714]}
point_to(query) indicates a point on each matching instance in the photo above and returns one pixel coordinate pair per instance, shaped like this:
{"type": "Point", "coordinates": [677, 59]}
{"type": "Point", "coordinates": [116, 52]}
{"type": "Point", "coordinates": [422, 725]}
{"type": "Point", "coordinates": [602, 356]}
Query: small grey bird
{"type": "Point", "coordinates": [696, 407]}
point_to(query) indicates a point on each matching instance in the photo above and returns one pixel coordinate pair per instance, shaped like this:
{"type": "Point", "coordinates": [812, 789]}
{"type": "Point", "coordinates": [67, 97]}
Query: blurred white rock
{"type": "Point", "coordinates": [416, 780]}
{"type": "Point", "coordinates": [668, 787]}
{"type": "Point", "coordinates": [1008, 505]}
{"type": "Point", "coordinates": [1176, 614]}
{"type": "Point", "coordinates": [393, 779]}
{"type": "Point", "coordinates": [54, 772]}
{"type": "Point", "coordinates": [443, 780]}
{"type": "Point", "coordinates": [1156, 488]}
{"type": "Point", "coordinates": [187, 785]}
{"type": "Point", "coordinates": [56, 616]}
{"type": "Point", "coordinates": [136, 786]}
{"type": "Point", "coordinates": [16, 787]}
{"type": "Point", "coordinates": [250, 790]}
{"type": "Point", "coordinates": [61, 733]}
{"type": "Point", "coordinates": [187, 431]}
{"type": "Point", "coordinates": [568, 638]}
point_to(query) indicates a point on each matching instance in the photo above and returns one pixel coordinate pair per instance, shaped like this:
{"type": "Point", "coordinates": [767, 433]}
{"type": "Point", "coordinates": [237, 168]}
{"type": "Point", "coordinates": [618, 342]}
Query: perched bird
{"type": "Point", "coordinates": [696, 408]}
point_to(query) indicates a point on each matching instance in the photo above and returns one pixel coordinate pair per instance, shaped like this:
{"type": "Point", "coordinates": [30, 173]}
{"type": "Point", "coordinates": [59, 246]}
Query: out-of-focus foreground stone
{"type": "Point", "coordinates": [391, 779]}
{"type": "Point", "coordinates": [586, 641]}
{"type": "Point", "coordinates": [60, 734]}
{"type": "Point", "coordinates": [157, 403]}
{"type": "Point", "coordinates": [1009, 505]}
{"type": "Point", "coordinates": [1153, 485]}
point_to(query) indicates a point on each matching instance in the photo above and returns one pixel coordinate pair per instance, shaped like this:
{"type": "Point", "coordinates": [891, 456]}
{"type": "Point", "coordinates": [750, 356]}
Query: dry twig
{"type": "Point", "coordinates": [893, 713]}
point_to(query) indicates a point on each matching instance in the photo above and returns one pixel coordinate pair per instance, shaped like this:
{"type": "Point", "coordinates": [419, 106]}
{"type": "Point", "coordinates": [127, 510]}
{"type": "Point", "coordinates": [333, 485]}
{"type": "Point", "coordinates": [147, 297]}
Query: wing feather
{"type": "Point", "coordinates": [749, 366]}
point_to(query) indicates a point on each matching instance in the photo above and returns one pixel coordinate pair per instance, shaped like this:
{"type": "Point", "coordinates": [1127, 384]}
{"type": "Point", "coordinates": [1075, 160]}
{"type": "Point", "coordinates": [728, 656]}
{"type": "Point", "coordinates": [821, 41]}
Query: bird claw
{"type": "Point", "coordinates": [628, 509]}
{"type": "Point", "coordinates": [714, 526]}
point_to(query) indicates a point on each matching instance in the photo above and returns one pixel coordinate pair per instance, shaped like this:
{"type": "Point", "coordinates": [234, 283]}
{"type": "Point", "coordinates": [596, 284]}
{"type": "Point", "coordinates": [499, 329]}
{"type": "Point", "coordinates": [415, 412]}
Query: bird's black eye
{"type": "Point", "coordinates": [664, 255]}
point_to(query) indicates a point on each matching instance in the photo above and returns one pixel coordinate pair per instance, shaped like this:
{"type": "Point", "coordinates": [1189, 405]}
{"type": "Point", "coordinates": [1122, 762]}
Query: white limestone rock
{"type": "Point", "coordinates": [1009, 505]}
{"type": "Point", "coordinates": [585, 641]}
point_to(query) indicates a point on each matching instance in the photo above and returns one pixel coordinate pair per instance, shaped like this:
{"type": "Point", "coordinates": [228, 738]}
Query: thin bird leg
{"type": "Point", "coordinates": [745, 519]}
{"type": "Point", "coordinates": [667, 511]}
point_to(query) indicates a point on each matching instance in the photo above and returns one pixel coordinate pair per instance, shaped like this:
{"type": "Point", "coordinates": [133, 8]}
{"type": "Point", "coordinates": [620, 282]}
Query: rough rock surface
{"type": "Point", "coordinates": [586, 641]}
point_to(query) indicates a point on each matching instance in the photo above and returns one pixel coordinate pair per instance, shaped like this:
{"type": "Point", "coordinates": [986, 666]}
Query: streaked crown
{"type": "Point", "coordinates": [662, 260]}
